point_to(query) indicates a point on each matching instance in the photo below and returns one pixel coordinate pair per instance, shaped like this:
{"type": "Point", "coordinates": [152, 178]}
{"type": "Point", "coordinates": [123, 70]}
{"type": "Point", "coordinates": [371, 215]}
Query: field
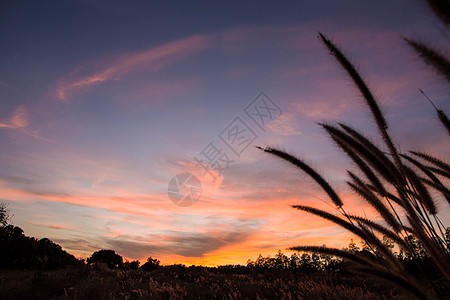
{"type": "Point", "coordinates": [177, 282]}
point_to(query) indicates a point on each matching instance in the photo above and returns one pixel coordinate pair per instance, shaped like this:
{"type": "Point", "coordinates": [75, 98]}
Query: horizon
{"type": "Point", "coordinates": [103, 103]}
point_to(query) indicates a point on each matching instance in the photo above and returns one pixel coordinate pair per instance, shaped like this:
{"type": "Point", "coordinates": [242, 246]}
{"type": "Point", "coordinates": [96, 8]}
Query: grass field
{"type": "Point", "coordinates": [175, 282]}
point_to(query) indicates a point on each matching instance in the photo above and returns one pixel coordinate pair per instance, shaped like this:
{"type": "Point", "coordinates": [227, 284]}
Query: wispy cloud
{"type": "Point", "coordinates": [51, 225]}
{"type": "Point", "coordinates": [285, 125]}
{"type": "Point", "coordinates": [19, 119]}
{"type": "Point", "coordinates": [151, 59]}
{"type": "Point", "coordinates": [216, 229]}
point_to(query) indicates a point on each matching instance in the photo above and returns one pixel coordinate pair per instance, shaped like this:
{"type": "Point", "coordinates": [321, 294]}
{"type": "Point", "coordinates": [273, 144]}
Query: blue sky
{"type": "Point", "coordinates": [103, 102]}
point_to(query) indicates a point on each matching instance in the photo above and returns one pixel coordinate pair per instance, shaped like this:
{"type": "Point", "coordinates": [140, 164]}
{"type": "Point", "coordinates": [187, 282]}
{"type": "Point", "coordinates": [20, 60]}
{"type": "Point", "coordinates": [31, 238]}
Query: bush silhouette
{"type": "Point", "coordinates": [132, 265]}
{"type": "Point", "coordinates": [151, 264]}
{"type": "Point", "coordinates": [109, 257]}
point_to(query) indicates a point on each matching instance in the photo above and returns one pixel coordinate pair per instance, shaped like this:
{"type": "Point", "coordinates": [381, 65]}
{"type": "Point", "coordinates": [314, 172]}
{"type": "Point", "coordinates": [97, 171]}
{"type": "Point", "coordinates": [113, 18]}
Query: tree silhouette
{"type": "Point", "coordinates": [305, 263]}
{"type": "Point", "coordinates": [5, 214]}
{"type": "Point", "coordinates": [151, 264]}
{"type": "Point", "coordinates": [51, 256]}
{"type": "Point", "coordinates": [109, 257]}
{"type": "Point", "coordinates": [132, 265]}
{"type": "Point", "coordinates": [18, 251]}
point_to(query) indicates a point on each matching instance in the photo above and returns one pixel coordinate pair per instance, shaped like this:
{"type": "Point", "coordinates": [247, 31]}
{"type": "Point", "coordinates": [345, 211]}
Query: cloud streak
{"type": "Point", "coordinates": [151, 59]}
{"type": "Point", "coordinates": [19, 119]}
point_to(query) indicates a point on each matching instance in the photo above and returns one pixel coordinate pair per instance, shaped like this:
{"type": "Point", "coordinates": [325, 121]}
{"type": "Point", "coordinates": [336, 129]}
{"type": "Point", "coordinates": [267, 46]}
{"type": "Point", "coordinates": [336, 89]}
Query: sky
{"type": "Point", "coordinates": [104, 105]}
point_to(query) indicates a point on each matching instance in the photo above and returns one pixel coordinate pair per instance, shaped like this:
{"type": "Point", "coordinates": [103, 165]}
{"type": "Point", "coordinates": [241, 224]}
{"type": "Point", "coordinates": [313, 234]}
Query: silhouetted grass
{"type": "Point", "coordinates": [186, 283]}
{"type": "Point", "coordinates": [393, 183]}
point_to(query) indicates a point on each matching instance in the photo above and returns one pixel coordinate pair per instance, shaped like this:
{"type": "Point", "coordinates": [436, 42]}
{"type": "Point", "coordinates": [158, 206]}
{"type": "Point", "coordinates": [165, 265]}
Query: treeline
{"type": "Point", "coordinates": [18, 251]}
{"type": "Point", "coordinates": [21, 252]}
{"type": "Point", "coordinates": [417, 261]}
{"type": "Point", "coordinates": [112, 260]}
{"type": "Point", "coordinates": [305, 262]}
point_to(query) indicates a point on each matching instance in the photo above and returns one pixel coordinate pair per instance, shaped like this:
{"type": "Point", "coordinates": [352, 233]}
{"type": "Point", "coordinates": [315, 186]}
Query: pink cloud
{"type": "Point", "coordinates": [51, 225]}
{"type": "Point", "coordinates": [285, 125]}
{"type": "Point", "coordinates": [115, 233]}
{"type": "Point", "coordinates": [59, 227]}
{"type": "Point", "coordinates": [19, 119]}
{"type": "Point", "coordinates": [151, 59]}
{"type": "Point", "coordinates": [385, 62]}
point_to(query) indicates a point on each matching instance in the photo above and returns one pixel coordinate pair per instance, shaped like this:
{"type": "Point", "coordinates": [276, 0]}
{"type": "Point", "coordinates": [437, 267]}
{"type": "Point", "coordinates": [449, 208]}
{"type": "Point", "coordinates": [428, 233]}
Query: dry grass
{"type": "Point", "coordinates": [185, 283]}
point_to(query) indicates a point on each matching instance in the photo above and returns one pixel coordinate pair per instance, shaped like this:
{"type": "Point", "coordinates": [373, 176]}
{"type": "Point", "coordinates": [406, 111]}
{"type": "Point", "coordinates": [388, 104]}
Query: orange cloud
{"type": "Point", "coordinates": [151, 59]}
{"type": "Point", "coordinates": [51, 225]}
{"type": "Point", "coordinates": [228, 225]}
{"type": "Point", "coordinates": [59, 227]}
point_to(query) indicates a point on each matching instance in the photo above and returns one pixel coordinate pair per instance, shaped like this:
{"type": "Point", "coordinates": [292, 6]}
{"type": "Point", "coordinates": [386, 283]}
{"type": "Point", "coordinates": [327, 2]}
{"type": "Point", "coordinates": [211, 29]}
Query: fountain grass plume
{"type": "Point", "coordinates": [391, 178]}
{"type": "Point", "coordinates": [439, 62]}
{"type": "Point", "coordinates": [364, 191]}
{"type": "Point", "coordinates": [441, 9]}
{"type": "Point", "coordinates": [308, 170]}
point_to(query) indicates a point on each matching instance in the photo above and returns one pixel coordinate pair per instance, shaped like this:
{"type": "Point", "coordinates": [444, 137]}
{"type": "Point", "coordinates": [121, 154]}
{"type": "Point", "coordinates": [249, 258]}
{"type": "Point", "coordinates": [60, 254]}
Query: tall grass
{"type": "Point", "coordinates": [171, 282]}
{"type": "Point", "coordinates": [396, 184]}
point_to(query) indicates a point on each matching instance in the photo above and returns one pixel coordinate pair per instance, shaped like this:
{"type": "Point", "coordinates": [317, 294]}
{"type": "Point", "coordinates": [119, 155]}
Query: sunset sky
{"type": "Point", "coordinates": [103, 102]}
